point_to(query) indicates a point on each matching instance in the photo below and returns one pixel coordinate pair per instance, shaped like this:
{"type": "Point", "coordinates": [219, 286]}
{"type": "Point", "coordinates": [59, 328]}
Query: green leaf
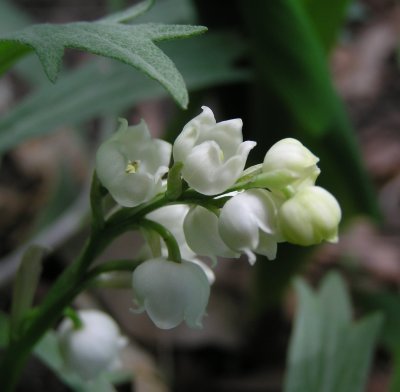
{"type": "Point", "coordinates": [12, 18]}
{"type": "Point", "coordinates": [108, 88]}
{"type": "Point", "coordinates": [327, 19]}
{"type": "Point", "coordinates": [328, 352]}
{"type": "Point", "coordinates": [25, 285]}
{"type": "Point", "coordinates": [4, 330]}
{"type": "Point", "coordinates": [133, 45]}
{"type": "Point", "coordinates": [395, 381]}
{"type": "Point", "coordinates": [388, 303]}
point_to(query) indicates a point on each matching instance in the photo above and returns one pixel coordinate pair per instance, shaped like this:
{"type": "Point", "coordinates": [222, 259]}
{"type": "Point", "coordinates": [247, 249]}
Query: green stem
{"type": "Point", "coordinates": [112, 266]}
{"type": "Point", "coordinates": [96, 203]}
{"type": "Point", "coordinates": [174, 253]}
{"type": "Point", "coordinates": [59, 297]}
{"type": "Point", "coordinates": [76, 277]}
{"type": "Point", "coordinates": [74, 317]}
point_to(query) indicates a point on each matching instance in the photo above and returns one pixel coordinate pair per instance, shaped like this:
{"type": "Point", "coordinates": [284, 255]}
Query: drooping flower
{"type": "Point", "coordinates": [213, 154]}
{"type": "Point", "coordinates": [202, 234]}
{"type": "Point", "coordinates": [248, 223]}
{"type": "Point", "coordinates": [172, 217]}
{"type": "Point", "coordinates": [289, 165]}
{"type": "Point", "coordinates": [131, 164]}
{"type": "Point", "coordinates": [94, 347]}
{"type": "Point", "coordinates": [311, 216]}
{"type": "Point", "coordinates": [171, 292]}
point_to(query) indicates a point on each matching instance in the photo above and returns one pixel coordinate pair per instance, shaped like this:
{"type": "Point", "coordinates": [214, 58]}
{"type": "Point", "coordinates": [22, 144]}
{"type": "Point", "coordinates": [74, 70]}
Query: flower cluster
{"type": "Point", "coordinates": [226, 210]}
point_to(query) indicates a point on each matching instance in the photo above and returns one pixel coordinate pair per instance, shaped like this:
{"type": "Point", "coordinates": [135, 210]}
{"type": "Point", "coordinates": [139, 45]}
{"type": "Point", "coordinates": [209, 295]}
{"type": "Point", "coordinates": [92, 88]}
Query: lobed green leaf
{"type": "Point", "coordinates": [130, 44]}
{"type": "Point", "coordinates": [108, 88]}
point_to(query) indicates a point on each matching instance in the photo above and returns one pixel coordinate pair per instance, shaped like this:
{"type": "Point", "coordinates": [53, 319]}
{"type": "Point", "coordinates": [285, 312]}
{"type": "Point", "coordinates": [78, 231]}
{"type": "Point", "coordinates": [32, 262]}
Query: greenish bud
{"type": "Point", "coordinates": [311, 216]}
{"type": "Point", "coordinates": [289, 166]}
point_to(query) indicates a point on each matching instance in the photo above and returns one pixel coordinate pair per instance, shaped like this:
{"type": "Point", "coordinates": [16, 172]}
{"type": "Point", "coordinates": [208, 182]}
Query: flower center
{"type": "Point", "coordinates": [132, 166]}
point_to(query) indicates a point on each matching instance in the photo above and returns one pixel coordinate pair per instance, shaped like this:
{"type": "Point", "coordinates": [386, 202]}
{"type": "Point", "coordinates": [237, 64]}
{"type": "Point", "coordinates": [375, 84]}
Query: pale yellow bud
{"type": "Point", "coordinates": [311, 216]}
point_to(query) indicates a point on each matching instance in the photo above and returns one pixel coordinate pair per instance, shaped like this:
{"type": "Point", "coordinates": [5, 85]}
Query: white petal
{"type": "Point", "coordinates": [206, 269]}
{"type": "Point", "coordinates": [171, 292]}
{"type": "Point", "coordinates": [267, 246]}
{"type": "Point", "coordinates": [237, 227]}
{"type": "Point", "coordinates": [227, 134]}
{"type": "Point", "coordinates": [202, 235]}
{"type": "Point", "coordinates": [247, 222]}
{"type": "Point", "coordinates": [130, 144]}
{"type": "Point", "coordinates": [213, 155]}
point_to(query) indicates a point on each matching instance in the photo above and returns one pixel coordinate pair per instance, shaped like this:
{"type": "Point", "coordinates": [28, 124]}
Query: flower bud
{"type": "Point", "coordinates": [248, 223]}
{"type": "Point", "coordinates": [311, 216]}
{"type": "Point", "coordinates": [213, 154]}
{"type": "Point", "coordinates": [288, 164]}
{"type": "Point", "coordinates": [171, 292]}
{"type": "Point", "coordinates": [131, 164]}
{"type": "Point", "coordinates": [92, 348]}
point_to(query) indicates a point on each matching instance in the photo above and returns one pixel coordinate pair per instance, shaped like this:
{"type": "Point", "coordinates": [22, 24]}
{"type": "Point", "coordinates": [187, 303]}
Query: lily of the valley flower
{"type": "Point", "coordinates": [202, 235]}
{"type": "Point", "coordinates": [213, 154]}
{"type": "Point", "coordinates": [94, 347]}
{"type": "Point", "coordinates": [248, 223]}
{"type": "Point", "coordinates": [171, 292]}
{"type": "Point", "coordinates": [311, 216]}
{"type": "Point", "coordinates": [289, 166]}
{"type": "Point", "coordinates": [172, 217]}
{"type": "Point", "coordinates": [131, 164]}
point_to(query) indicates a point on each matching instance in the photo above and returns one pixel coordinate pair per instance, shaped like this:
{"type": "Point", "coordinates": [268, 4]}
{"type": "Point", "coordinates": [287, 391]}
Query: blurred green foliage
{"type": "Point", "coordinates": [328, 352]}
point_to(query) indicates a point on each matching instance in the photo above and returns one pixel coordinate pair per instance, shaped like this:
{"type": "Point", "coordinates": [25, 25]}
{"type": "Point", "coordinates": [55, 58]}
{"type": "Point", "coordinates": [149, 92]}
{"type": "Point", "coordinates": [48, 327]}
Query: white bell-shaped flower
{"type": "Point", "coordinates": [311, 216]}
{"type": "Point", "coordinates": [171, 292]}
{"type": "Point", "coordinates": [131, 164]}
{"type": "Point", "coordinates": [213, 154]}
{"type": "Point", "coordinates": [248, 223]}
{"type": "Point", "coordinates": [289, 164]}
{"type": "Point", "coordinates": [202, 234]}
{"type": "Point", "coordinates": [94, 347]}
{"type": "Point", "coordinates": [172, 217]}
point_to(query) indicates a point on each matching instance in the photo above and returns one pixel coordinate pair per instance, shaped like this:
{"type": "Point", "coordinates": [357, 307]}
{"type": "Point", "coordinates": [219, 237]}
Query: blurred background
{"type": "Point", "coordinates": [326, 73]}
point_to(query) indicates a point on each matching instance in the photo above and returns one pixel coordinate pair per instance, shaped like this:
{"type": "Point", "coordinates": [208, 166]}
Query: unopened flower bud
{"type": "Point", "coordinates": [92, 348]}
{"type": "Point", "coordinates": [311, 216]}
{"type": "Point", "coordinates": [288, 165]}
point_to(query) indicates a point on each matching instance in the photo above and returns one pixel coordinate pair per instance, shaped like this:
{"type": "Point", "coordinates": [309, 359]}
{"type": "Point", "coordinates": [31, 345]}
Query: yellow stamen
{"type": "Point", "coordinates": [132, 166]}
